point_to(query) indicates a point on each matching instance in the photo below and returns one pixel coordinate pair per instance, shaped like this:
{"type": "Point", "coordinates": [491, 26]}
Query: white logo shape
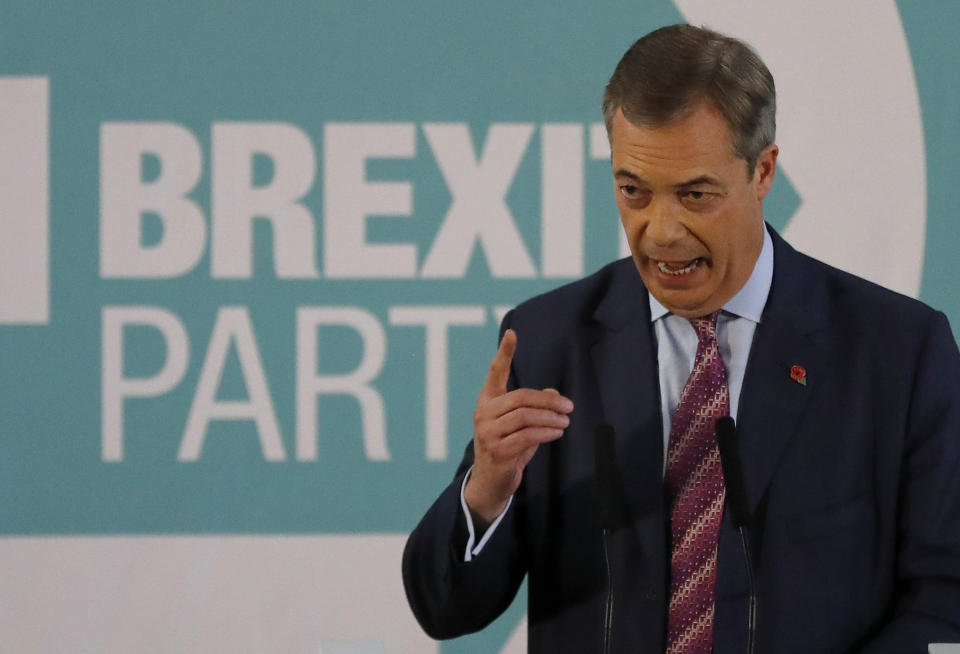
{"type": "Point", "coordinates": [849, 128]}
{"type": "Point", "coordinates": [24, 200]}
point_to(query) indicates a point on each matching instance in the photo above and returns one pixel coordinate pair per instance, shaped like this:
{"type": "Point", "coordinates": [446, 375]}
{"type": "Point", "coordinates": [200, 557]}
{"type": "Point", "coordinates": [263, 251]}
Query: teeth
{"type": "Point", "coordinates": [682, 271]}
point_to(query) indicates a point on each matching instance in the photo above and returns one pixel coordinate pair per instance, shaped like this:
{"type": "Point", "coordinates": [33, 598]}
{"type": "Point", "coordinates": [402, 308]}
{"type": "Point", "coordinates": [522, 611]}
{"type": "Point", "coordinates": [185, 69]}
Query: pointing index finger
{"type": "Point", "coordinates": [496, 382]}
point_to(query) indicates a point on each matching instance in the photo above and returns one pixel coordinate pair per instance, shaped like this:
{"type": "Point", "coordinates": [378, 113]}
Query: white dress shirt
{"type": "Point", "coordinates": [677, 339]}
{"type": "Point", "coordinates": [676, 350]}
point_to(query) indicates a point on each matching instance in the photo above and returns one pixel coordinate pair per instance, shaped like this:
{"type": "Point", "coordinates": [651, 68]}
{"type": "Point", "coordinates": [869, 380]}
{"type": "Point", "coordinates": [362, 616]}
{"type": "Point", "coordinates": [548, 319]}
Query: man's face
{"type": "Point", "coordinates": [693, 218]}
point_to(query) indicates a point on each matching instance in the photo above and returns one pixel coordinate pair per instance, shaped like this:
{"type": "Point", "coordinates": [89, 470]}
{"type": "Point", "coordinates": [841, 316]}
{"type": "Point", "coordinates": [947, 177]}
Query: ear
{"type": "Point", "coordinates": [765, 170]}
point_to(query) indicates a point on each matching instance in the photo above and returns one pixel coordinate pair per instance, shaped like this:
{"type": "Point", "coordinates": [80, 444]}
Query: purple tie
{"type": "Point", "coordinates": [695, 493]}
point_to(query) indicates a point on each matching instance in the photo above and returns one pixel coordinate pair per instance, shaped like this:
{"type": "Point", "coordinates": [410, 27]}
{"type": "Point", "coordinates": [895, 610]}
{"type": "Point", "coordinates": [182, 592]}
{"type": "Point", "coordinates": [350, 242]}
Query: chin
{"type": "Point", "coordinates": [683, 304]}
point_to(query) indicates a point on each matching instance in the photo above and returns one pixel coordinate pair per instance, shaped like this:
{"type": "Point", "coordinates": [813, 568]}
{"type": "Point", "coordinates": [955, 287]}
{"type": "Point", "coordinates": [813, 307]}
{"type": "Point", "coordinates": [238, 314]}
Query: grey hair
{"type": "Point", "coordinates": [667, 71]}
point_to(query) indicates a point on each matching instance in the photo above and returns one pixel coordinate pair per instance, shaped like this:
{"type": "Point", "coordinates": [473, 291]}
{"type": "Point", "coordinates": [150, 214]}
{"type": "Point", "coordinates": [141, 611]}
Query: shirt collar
{"type": "Point", "coordinates": [749, 301]}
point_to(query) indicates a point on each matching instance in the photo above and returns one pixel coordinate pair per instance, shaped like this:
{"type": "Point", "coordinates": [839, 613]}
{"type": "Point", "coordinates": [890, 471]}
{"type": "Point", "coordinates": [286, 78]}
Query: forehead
{"type": "Point", "coordinates": [699, 142]}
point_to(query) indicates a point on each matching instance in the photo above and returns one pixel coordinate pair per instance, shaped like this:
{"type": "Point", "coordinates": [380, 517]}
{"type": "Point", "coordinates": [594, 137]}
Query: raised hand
{"type": "Point", "coordinates": [507, 429]}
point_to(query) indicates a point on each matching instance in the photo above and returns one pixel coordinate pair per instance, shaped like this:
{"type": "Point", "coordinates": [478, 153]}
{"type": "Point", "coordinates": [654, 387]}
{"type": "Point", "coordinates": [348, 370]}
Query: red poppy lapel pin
{"type": "Point", "coordinates": [799, 375]}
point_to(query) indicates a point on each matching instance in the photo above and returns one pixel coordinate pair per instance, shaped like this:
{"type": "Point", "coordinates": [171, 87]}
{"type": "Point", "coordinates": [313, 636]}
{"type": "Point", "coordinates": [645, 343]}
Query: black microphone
{"type": "Point", "coordinates": [732, 471]}
{"type": "Point", "coordinates": [610, 509]}
{"type": "Point", "coordinates": [739, 513]}
{"type": "Point", "coordinates": [610, 512]}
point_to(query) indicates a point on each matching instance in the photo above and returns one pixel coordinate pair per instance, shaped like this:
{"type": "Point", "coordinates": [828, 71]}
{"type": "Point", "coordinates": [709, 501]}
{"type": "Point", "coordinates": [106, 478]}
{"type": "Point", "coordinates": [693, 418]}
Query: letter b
{"type": "Point", "coordinates": [125, 197]}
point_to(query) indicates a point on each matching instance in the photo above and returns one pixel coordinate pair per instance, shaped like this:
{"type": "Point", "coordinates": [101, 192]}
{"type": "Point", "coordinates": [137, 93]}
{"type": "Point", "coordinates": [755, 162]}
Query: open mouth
{"type": "Point", "coordinates": [678, 268]}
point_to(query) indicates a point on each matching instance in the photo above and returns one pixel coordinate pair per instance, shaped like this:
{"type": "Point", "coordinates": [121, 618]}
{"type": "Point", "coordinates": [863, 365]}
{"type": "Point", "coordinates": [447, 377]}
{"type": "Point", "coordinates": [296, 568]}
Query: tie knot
{"type": "Point", "coordinates": [706, 326]}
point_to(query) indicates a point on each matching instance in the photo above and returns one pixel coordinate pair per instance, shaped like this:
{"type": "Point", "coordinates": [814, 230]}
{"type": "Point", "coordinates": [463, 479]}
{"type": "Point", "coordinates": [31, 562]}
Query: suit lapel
{"type": "Point", "coordinates": [772, 402]}
{"type": "Point", "coordinates": [624, 360]}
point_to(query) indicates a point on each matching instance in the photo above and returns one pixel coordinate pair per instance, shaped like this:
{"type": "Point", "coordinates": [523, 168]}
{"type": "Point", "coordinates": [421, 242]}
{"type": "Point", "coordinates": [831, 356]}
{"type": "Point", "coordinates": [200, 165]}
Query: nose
{"type": "Point", "coordinates": [664, 227]}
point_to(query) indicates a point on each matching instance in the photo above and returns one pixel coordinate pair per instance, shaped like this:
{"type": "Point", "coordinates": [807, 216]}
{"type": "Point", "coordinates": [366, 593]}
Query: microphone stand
{"type": "Point", "coordinates": [752, 590]}
{"type": "Point", "coordinates": [739, 513]}
{"type": "Point", "coordinates": [608, 607]}
{"type": "Point", "coordinates": [611, 513]}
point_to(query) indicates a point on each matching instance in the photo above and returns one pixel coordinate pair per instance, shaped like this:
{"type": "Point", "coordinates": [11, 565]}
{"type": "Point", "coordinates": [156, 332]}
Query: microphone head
{"type": "Point", "coordinates": [611, 511]}
{"type": "Point", "coordinates": [604, 446]}
{"type": "Point", "coordinates": [732, 471]}
{"type": "Point", "coordinates": [727, 427]}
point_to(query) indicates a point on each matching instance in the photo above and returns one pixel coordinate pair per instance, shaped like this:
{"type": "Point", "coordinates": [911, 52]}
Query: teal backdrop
{"type": "Point", "coordinates": [478, 128]}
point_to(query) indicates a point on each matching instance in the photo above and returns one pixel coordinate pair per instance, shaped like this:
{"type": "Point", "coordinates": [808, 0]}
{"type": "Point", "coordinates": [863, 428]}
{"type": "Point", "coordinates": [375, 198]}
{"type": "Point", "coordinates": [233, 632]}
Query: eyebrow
{"type": "Point", "coordinates": [702, 179]}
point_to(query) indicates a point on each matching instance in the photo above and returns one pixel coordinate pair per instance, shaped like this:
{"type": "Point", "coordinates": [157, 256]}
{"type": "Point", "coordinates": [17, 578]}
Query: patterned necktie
{"type": "Point", "coordinates": [694, 494]}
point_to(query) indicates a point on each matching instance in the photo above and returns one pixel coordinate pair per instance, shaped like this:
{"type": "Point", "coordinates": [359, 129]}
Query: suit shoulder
{"type": "Point", "coordinates": [555, 329]}
{"type": "Point", "coordinates": [871, 293]}
{"type": "Point", "coordinates": [861, 301]}
{"type": "Point", "coordinates": [575, 303]}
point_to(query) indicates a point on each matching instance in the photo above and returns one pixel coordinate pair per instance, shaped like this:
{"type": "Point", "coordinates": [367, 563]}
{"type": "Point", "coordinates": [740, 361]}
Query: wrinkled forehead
{"type": "Point", "coordinates": [696, 144]}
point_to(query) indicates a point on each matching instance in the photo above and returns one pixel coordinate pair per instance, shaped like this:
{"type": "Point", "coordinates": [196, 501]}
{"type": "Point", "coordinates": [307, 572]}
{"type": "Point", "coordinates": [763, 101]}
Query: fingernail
{"type": "Point", "coordinates": [566, 404]}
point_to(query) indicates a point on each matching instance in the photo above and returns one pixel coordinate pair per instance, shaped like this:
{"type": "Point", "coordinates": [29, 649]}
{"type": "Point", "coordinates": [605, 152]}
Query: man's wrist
{"type": "Point", "coordinates": [477, 533]}
{"type": "Point", "coordinates": [482, 511]}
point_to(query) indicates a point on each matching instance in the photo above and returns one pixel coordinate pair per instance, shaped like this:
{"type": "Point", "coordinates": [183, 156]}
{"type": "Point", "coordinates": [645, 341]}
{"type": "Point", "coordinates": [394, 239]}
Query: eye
{"type": "Point", "coordinates": [629, 191]}
{"type": "Point", "coordinates": [697, 199]}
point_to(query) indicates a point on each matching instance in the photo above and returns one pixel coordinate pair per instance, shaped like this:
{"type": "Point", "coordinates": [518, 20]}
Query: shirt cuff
{"type": "Point", "coordinates": [474, 549]}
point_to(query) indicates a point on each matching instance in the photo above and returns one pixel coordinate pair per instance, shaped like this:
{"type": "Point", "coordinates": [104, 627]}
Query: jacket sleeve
{"type": "Point", "coordinates": [927, 604]}
{"type": "Point", "coordinates": [449, 596]}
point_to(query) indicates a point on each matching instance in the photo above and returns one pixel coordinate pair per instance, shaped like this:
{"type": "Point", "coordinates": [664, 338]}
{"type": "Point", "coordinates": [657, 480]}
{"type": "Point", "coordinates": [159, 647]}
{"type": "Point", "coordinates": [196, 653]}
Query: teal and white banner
{"type": "Point", "coordinates": [253, 257]}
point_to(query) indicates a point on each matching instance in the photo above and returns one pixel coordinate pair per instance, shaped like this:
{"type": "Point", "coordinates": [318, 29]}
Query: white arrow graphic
{"type": "Point", "coordinates": [848, 125]}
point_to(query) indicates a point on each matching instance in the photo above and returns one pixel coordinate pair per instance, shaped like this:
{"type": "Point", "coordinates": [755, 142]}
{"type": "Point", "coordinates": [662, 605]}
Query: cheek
{"type": "Point", "coordinates": [630, 213]}
{"type": "Point", "coordinates": [628, 220]}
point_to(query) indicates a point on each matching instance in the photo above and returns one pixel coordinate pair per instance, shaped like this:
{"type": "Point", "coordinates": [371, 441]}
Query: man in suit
{"type": "Point", "coordinates": [846, 397]}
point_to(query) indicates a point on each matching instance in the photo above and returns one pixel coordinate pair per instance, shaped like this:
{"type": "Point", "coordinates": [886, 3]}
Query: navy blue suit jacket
{"type": "Point", "coordinates": [853, 479]}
